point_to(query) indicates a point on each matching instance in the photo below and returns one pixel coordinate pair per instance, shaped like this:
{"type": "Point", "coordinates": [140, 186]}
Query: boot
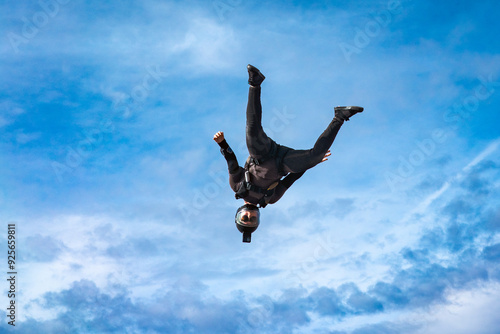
{"type": "Point", "coordinates": [343, 113]}
{"type": "Point", "coordinates": [255, 78]}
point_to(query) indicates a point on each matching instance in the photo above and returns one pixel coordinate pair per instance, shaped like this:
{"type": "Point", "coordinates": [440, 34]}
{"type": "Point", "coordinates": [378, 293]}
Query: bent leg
{"type": "Point", "coordinates": [297, 161]}
{"type": "Point", "coordinates": [258, 143]}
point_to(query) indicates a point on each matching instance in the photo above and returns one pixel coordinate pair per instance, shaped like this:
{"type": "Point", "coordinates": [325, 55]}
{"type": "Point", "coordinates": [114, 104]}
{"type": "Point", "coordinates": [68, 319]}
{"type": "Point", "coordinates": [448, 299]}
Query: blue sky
{"type": "Point", "coordinates": [123, 212]}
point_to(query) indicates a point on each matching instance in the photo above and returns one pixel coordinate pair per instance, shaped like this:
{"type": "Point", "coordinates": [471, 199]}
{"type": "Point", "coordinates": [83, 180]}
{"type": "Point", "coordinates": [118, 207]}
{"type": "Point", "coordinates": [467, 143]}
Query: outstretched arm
{"type": "Point", "coordinates": [232, 161]}
{"type": "Point", "coordinates": [283, 186]}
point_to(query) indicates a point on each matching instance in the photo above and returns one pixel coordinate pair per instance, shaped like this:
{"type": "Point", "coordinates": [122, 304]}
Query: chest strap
{"type": "Point", "coordinates": [247, 186]}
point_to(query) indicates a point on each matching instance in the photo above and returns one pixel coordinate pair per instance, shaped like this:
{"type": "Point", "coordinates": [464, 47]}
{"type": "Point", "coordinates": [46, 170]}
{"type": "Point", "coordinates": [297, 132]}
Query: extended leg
{"type": "Point", "coordinates": [297, 161]}
{"type": "Point", "coordinates": [300, 160]}
{"type": "Point", "coordinates": [258, 143]}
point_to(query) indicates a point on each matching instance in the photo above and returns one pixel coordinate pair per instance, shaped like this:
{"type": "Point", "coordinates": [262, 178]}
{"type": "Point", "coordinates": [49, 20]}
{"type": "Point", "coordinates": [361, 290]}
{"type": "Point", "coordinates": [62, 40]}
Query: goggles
{"type": "Point", "coordinates": [248, 218]}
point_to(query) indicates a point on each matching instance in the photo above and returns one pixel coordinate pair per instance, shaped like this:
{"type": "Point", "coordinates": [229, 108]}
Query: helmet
{"type": "Point", "coordinates": [247, 220]}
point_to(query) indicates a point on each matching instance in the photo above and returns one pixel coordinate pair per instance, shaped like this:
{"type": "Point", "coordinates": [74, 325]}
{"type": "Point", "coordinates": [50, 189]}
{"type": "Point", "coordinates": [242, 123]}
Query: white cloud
{"type": "Point", "coordinates": [139, 240]}
{"type": "Point", "coordinates": [472, 311]}
{"type": "Point", "coordinates": [10, 110]}
{"type": "Point", "coordinates": [24, 138]}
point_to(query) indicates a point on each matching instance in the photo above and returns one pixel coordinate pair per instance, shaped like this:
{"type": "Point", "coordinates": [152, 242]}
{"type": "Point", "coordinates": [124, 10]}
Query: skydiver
{"type": "Point", "coordinates": [270, 168]}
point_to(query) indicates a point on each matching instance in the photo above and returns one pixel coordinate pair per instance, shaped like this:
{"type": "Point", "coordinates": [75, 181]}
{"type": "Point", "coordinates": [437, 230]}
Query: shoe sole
{"type": "Point", "coordinates": [353, 108]}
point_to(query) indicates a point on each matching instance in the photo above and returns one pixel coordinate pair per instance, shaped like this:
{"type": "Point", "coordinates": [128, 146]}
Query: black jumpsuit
{"type": "Point", "coordinates": [266, 174]}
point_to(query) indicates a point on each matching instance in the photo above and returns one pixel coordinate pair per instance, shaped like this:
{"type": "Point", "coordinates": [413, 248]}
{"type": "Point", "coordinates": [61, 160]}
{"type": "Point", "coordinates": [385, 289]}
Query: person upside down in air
{"type": "Point", "coordinates": [270, 169]}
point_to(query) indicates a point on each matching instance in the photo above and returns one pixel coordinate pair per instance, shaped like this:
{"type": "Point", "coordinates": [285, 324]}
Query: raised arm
{"type": "Point", "coordinates": [232, 161]}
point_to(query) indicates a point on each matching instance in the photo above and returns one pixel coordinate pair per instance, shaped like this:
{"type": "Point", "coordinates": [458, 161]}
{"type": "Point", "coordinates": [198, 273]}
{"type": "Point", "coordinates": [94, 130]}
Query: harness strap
{"type": "Point", "coordinates": [270, 155]}
{"type": "Point", "coordinates": [247, 186]}
{"type": "Point", "coordinates": [277, 153]}
{"type": "Point", "coordinates": [267, 192]}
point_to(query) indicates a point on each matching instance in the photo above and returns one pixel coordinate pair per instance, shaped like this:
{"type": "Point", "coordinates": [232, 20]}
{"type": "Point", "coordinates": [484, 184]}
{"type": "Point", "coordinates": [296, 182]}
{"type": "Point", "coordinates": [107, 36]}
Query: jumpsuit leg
{"type": "Point", "coordinates": [258, 143]}
{"type": "Point", "coordinates": [296, 161]}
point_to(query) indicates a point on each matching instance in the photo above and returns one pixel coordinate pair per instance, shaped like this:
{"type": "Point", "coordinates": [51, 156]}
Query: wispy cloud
{"type": "Point", "coordinates": [136, 232]}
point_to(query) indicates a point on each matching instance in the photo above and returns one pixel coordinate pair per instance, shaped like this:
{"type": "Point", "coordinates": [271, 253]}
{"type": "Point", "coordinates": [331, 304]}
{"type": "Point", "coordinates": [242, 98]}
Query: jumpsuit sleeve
{"type": "Point", "coordinates": [236, 172]}
{"type": "Point", "coordinates": [284, 185]}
